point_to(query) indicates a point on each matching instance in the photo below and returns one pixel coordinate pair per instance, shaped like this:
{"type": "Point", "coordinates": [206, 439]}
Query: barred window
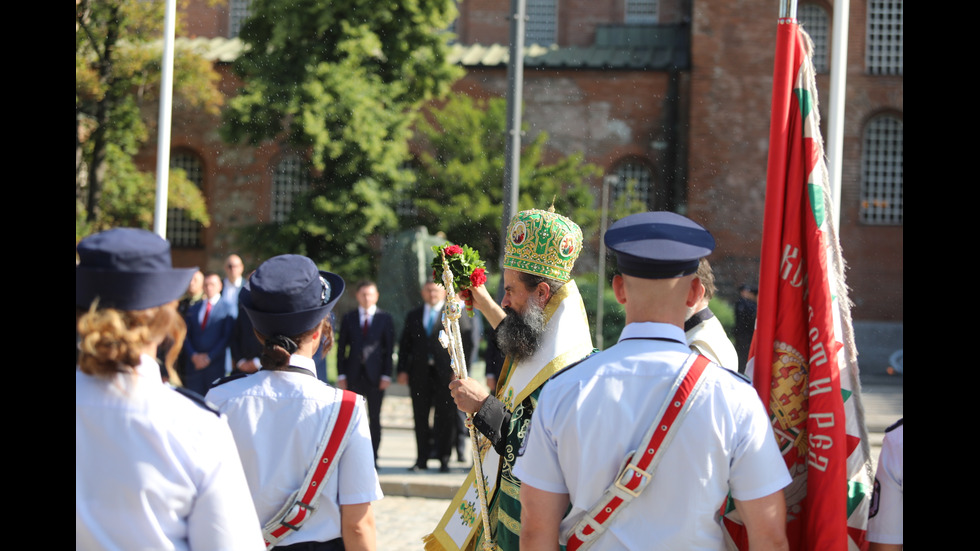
{"type": "Point", "coordinates": [238, 12]}
{"type": "Point", "coordinates": [641, 11]}
{"type": "Point", "coordinates": [181, 230]}
{"type": "Point", "coordinates": [816, 22]}
{"type": "Point", "coordinates": [883, 50]}
{"type": "Point", "coordinates": [404, 199]}
{"type": "Point", "coordinates": [290, 179]}
{"type": "Point", "coordinates": [633, 186]}
{"type": "Point", "coordinates": [542, 22]}
{"type": "Point", "coordinates": [882, 172]}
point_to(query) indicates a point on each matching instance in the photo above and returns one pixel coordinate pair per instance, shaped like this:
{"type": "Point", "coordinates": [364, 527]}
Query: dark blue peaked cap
{"type": "Point", "coordinates": [287, 295]}
{"type": "Point", "coordinates": [658, 245]}
{"type": "Point", "coordinates": [127, 269]}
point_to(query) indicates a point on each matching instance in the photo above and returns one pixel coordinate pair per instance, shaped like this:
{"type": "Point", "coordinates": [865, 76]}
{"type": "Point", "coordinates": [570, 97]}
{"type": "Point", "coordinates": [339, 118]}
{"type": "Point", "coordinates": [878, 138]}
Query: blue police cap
{"type": "Point", "coordinates": [658, 245]}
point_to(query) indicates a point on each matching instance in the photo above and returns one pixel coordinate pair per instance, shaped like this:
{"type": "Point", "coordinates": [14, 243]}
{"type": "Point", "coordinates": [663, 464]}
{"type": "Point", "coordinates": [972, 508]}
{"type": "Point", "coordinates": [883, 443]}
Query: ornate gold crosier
{"type": "Point", "coordinates": [451, 339]}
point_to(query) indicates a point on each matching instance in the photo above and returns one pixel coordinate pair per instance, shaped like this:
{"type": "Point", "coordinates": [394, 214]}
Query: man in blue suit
{"type": "Point", "coordinates": [365, 345]}
{"type": "Point", "coordinates": [209, 325]}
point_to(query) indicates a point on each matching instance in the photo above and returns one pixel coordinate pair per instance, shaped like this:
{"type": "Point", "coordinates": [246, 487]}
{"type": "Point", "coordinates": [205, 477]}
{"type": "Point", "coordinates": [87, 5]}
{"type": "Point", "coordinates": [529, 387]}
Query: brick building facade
{"type": "Point", "coordinates": [674, 93]}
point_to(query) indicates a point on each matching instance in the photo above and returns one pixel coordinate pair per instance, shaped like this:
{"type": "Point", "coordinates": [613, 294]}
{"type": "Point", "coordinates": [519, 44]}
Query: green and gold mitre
{"type": "Point", "coordinates": [542, 243]}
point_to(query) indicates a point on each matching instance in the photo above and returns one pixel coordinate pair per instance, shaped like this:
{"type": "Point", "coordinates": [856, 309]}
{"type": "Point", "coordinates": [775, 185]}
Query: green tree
{"type": "Point", "coordinates": [118, 54]}
{"type": "Point", "coordinates": [344, 82]}
{"type": "Point", "coordinates": [460, 182]}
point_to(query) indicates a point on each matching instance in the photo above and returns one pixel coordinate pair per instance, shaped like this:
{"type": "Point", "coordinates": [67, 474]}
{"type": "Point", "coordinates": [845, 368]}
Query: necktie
{"type": "Point", "coordinates": [207, 312]}
{"type": "Point", "coordinates": [364, 329]}
{"type": "Point", "coordinates": [430, 321]}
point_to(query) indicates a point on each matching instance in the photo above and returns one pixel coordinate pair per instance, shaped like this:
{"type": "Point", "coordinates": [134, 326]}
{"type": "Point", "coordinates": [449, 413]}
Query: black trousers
{"type": "Point", "coordinates": [374, 396]}
{"type": "Point", "coordinates": [430, 389]}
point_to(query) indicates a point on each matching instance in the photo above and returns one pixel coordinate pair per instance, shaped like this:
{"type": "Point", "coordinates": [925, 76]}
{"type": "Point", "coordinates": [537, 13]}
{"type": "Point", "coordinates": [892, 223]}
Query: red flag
{"type": "Point", "coordinates": [803, 358]}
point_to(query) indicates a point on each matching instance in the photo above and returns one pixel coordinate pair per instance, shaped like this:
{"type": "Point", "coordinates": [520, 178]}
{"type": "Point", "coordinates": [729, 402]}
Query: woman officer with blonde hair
{"type": "Point", "coordinates": [154, 468]}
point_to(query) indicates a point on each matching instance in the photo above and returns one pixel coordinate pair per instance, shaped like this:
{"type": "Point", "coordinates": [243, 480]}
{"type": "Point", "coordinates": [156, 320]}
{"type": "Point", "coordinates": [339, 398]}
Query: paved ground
{"type": "Point", "coordinates": [415, 502]}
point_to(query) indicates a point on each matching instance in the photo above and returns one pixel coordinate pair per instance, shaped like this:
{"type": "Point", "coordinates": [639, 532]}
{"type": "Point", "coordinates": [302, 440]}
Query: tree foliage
{"type": "Point", "coordinates": [344, 82]}
{"type": "Point", "coordinates": [460, 183]}
{"type": "Point", "coordinates": [118, 55]}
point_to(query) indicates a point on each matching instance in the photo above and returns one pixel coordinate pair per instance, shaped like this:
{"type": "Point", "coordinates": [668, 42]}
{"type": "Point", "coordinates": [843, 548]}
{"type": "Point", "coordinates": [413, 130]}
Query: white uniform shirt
{"type": "Point", "coordinates": [590, 417]}
{"type": "Point", "coordinates": [709, 338]}
{"type": "Point", "coordinates": [278, 419]}
{"type": "Point", "coordinates": [887, 510]}
{"type": "Point", "coordinates": [154, 470]}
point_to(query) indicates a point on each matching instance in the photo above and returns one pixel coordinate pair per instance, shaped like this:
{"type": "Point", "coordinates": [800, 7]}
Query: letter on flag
{"type": "Point", "coordinates": [803, 359]}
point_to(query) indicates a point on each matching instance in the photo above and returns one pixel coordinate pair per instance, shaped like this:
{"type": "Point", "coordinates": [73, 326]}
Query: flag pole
{"type": "Point", "coordinates": [838, 86]}
{"type": "Point", "coordinates": [163, 128]}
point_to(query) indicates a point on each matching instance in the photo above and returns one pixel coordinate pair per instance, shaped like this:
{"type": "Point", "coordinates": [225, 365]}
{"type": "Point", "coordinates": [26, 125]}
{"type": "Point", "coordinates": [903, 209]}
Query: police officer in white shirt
{"type": "Point", "coordinates": [154, 469]}
{"type": "Point", "coordinates": [592, 417]}
{"type": "Point", "coordinates": [281, 415]}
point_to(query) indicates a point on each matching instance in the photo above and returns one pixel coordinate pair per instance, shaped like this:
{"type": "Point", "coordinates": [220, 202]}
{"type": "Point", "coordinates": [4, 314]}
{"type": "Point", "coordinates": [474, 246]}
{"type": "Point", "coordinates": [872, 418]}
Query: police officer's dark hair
{"type": "Point", "coordinates": [532, 281]}
{"type": "Point", "coordinates": [276, 349]}
{"type": "Point", "coordinates": [707, 278]}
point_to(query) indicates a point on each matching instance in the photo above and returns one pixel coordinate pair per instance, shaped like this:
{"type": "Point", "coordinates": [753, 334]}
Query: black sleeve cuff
{"type": "Point", "coordinates": [493, 421]}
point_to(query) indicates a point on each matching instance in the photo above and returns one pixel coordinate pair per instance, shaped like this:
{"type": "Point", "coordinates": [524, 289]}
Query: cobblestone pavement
{"type": "Point", "coordinates": [402, 521]}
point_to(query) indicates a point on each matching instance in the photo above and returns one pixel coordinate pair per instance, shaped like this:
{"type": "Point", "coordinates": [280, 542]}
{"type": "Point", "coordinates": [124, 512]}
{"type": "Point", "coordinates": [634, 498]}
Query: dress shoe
{"type": "Point", "coordinates": [444, 468]}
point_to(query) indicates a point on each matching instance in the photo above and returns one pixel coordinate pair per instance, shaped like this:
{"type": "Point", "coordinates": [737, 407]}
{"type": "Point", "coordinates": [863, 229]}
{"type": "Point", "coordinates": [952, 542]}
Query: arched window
{"type": "Point", "coordinates": [816, 22]}
{"type": "Point", "coordinates": [181, 230]}
{"type": "Point", "coordinates": [882, 171]}
{"type": "Point", "coordinates": [542, 22]}
{"type": "Point", "coordinates": [633, 188]}
{"type": "Point", "coordinates": [290, 179]}
{"type": "Point", "coordinates": [883, 48]}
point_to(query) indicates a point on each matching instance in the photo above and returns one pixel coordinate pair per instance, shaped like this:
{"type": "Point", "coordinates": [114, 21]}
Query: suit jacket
{"type": "Point", "coordinates": [372, 351]}
{"type": "Point", "coordinates": [243, 343]}
{"type": "Point", "coordinates": [213, 339]}
{"type": "Point", "coordinates": [416, 347]}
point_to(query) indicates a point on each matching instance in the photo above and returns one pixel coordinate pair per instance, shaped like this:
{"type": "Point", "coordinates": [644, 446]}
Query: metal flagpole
{"type": "Point", "coordinates": [838, 85]}
{"type": "Point", "coordinates": [515, 93]}
{"type": "Point", "coordinates": [163, 132]}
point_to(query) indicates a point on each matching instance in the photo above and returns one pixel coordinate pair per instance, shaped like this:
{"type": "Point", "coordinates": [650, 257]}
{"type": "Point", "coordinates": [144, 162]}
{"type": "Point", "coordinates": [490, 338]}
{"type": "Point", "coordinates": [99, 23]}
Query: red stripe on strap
{"type": "Point", "coordinates": [339, 431]}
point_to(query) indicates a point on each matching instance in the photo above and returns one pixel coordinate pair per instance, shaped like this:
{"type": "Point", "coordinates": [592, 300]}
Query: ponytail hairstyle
{"type": "Point", "coordinates": [111, 340]}
{"type": "Point", "coordinates": [277, 348]}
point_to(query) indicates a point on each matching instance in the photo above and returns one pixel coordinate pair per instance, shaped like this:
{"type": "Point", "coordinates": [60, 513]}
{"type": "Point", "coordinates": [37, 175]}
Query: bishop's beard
{"type": "Point", "coordinates": [519, 335]}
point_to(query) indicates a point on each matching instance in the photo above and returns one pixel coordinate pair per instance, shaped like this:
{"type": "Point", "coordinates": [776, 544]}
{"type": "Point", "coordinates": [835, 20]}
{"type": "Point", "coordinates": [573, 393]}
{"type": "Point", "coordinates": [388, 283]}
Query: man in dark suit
{"type": "Point", "coordinates": [424, 365]}
{"type": "Point", "coordinates": [244, 345]}
{"type": "Point", "coordinates": [209, 325]}
{"type": "Point", "coordinates": [365, 344]}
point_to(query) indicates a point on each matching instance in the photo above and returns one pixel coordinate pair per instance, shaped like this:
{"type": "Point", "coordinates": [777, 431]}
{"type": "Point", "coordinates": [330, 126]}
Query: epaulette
{"type": "Point", "coordinates": [227, 379]}
{"type": "Point", "coordinates": [895, 425]}
{"type": "Point", "coordinates": [197, 399]}
{"type": "Point", "coordinates": [736, 374]}
{"type": "Point", "coordinates": [573, 364]}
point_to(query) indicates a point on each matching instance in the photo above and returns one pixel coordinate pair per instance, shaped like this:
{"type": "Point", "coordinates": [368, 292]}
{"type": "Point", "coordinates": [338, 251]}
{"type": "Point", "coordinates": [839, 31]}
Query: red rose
{"type": "Point", "coordinates": [478, 277]}
{"type": "Point", "coordinates": [452, 250]}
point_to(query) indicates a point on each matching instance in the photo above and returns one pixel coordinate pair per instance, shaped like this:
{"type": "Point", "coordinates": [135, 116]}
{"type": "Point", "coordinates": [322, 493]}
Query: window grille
{"type": "Point", "coordinates": [633, 184]}
{"type": "Point", "coordinates": [542, 22]}
{"type": "Point", "coordinates": [883, 51]}
{"type": "Point", "coordinates": [238, 12]}
{"type": "Point", "coordinates": [816, 22]}
{"type": "Point", "coordinates": [404, 201]}
{"type": "Point", "coordinates": [182, 231]}
{"type": "Point", "coordinates": [290, 179]}
{"type": "Point", "coordinates": [641, 11]}
{"type": "Point", "coordinates": [882, 172]}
